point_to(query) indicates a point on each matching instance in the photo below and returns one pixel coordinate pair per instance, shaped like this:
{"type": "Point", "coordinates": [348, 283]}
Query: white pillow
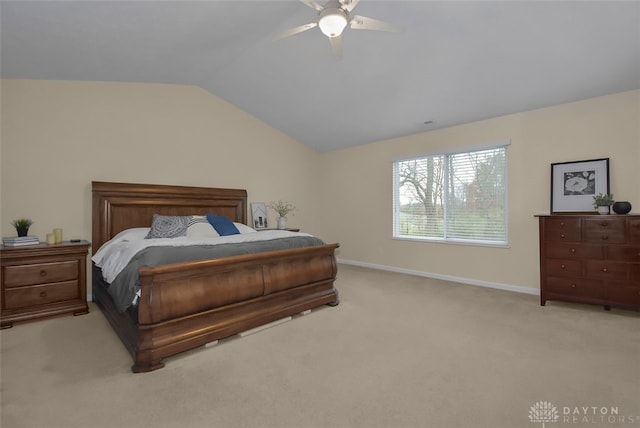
{"type": "Point", "coordinates": [202, 230]}
{"type": "Point", "coordinates": [243, 228]}
{"type": "Point", "coordinates": [134, 234]}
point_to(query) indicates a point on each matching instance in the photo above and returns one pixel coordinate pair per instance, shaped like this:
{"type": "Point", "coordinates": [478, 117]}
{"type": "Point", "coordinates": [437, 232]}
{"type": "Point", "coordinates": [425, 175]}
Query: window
{"type": "Point", "coordinates": [455, 197]}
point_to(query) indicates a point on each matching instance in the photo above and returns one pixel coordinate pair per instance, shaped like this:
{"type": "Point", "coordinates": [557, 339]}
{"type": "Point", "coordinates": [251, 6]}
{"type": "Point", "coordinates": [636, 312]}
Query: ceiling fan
{"type": "Point", "coordinates": [333, 17]}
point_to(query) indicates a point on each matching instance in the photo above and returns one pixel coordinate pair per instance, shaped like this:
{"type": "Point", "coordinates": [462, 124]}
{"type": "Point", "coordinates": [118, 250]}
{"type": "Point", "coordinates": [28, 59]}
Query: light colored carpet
{"type": "Point", "coordinates": [399, 351]}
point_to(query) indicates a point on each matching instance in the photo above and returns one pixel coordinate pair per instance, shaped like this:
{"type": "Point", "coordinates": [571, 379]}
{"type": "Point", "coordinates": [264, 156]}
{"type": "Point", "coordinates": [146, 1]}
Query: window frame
{"type": "Point", "coordinates": [395, 206]}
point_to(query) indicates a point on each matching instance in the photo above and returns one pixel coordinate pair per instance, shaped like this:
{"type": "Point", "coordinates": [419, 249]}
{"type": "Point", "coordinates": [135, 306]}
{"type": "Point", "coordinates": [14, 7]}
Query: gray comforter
{"type": "Point", "coordinates": [126, 285]}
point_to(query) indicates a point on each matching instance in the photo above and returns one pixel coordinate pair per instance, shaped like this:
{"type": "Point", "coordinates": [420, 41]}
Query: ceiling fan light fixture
{"type": "Point", "coordinates": [332, 21]}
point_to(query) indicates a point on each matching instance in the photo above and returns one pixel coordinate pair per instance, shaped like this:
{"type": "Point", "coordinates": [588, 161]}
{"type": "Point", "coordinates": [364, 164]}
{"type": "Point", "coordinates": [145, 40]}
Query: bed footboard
{"type": "Point", "coordinates": [183, 306]}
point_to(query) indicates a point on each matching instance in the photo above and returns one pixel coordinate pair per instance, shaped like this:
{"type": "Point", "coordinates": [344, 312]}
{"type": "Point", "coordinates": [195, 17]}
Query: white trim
{"type": "Point", "coordinates": [469, 281]}
{"type": "Point", "coordinates": [457, 150]}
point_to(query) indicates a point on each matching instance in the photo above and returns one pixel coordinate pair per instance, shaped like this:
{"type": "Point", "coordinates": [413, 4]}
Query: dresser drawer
{"type": "Point", "coordinates": [577, 251]}
{"type": "Point", "coordinates": [32, 295]}
{"type": "Point", "coordinates": [623, 293]}
{"type": "Point", "coordinates": [40, 273]}
{"type": "Point", "coordinates": [578, 288]}
{"type": "Point", "coordinates": [562, 229]}
{"type": "Point", "coordinates": [623, 253]}
{"type": "Point", "coordinates": [606, 230]}
{"type": "Point", "coordinates": [634, 229]}
{"type": "Point", "coordinates": [564, 268]}
{"type": "Point", "coordinates": [605, 269]}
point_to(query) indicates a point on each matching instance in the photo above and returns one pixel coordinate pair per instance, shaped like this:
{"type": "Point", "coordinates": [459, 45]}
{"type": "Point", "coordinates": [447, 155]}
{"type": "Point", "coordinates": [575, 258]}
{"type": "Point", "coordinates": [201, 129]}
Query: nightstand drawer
{"type": "Point", "coordinates": [40, 294]}
{"type": "Point", "coordinates": [17, 276]}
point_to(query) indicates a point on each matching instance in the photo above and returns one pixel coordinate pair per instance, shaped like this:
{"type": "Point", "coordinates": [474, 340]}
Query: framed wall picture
{"type": "Point", "coordinates": [259, 215]}
{"type": "Point", "coordinates": [574, 184]}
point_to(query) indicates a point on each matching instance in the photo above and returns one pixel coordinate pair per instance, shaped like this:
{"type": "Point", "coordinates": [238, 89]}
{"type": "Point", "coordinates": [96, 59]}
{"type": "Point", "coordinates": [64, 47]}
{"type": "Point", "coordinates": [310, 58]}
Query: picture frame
{"type": "Point", "coordinates": [259, 215]}
{"type": "Point", "coordinates": [574, 184]}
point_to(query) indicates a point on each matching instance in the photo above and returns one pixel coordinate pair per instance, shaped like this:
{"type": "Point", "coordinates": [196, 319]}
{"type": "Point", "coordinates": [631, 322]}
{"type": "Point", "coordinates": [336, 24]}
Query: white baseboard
{"type": "Point", "coordinates": [470, 281]}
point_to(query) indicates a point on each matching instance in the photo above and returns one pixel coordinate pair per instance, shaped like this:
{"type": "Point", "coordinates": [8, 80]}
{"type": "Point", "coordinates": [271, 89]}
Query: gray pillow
{"type": "Point", "coordinates": [168, 226]}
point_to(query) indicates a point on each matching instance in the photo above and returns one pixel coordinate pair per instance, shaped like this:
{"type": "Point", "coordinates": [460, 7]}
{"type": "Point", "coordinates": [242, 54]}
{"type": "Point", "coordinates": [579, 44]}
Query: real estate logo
{"type": "Point", "coordinates": [543, 411]}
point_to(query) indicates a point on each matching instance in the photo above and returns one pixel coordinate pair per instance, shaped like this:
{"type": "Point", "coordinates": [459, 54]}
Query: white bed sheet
{"type": "Point", "coordinates": [114, 255]}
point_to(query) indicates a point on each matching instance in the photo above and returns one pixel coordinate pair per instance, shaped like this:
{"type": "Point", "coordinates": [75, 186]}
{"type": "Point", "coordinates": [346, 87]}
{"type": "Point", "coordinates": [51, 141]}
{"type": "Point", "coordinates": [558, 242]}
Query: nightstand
{"type": "Point", "coordinates": [43, 280]}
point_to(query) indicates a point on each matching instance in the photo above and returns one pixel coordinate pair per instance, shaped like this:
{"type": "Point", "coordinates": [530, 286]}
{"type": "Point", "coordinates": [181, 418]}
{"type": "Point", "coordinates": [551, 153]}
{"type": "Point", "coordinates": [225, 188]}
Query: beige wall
{"type": "Point", "coordinates": [358, 186]}
{"type": "Point", "coordinates": [59, 136]}
{"type": "Point", "coordinates": [56, 137]}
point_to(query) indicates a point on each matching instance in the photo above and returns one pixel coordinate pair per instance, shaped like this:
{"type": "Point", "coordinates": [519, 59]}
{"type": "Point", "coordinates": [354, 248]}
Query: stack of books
{"type": "Point", "coordinates": [19, 241]}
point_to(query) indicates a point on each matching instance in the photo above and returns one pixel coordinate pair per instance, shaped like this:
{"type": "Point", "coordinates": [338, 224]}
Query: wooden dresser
{"type": "Point", "coordinates": [43, 280]}
{"type": "Point", "coordinates": [590, 259]}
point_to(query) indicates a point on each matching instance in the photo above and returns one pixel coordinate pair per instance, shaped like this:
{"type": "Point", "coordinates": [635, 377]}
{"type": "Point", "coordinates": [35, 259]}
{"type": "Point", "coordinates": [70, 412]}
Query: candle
{"type": "Point", "coordinates": [57, 233]}
{"type": "Point", "coordinates": [51, 238]}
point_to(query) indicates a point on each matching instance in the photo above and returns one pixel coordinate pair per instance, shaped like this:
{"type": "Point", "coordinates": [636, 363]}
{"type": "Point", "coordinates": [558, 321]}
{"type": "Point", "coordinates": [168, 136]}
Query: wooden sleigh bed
{"type": "Point", "coordinates": [186, 305]}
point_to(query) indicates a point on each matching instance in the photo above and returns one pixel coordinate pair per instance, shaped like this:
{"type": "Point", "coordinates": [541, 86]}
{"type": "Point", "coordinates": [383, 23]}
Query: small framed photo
{"type": "Point", "coordinates": [259, 215]}
{"type": "Point", "coordinates": [574, 184]}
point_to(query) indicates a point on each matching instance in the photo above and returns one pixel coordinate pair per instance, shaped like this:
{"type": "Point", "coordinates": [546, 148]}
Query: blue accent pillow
{"type": "Point", "coordinates": [223, 225]}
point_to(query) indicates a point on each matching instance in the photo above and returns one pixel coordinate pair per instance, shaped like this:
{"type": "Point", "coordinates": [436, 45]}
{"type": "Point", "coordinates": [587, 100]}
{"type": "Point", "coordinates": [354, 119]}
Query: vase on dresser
{"type": "Point", "coordinates": [282, 222]}
{"type": "Point", "coordinates": [603, 209]}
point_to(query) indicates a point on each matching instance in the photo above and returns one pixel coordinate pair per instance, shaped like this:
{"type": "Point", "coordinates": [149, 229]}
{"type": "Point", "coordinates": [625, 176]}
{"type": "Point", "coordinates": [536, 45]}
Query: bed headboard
{"type": "Point", "coordinates": [120, 206]}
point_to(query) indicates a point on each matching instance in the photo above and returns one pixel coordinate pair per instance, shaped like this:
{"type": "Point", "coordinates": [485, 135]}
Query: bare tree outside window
{"type": "Point", "coordinates": [459, 196]}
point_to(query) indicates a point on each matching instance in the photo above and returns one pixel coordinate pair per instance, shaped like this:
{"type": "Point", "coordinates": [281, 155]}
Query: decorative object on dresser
{"type": "Point", "coordinates": [22, 226]}
{"type": "Point", "coordinates": [602, 203]}
{"type": "Point", "coordinates": [621, 207]}
{"type": "Point", "coordinates": [590, 259]}
{"type": "Point", "coordinates": [43, 280]}
{"type": "Point", "coordinates": [574, 184]}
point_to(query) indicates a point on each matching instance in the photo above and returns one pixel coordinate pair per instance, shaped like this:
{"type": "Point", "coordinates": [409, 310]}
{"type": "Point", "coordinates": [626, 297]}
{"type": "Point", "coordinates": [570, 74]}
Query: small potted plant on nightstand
{"type": "Point", "coordinates": [282, 208]}
{"type": "Point", "coordinates": [22, 226]}
{"type": "Point", "coordinates": [602, 202]}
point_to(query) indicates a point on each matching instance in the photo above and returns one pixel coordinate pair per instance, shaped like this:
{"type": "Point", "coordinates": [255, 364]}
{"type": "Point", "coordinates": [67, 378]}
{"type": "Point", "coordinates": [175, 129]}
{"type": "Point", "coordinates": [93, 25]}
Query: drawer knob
{"type": "Point", "coordinates": [562, 236]}
{"type": "Point", "coordinates": [43, 294]}
{"type": "Point", "coordinates": [562, 266]}
{"type": "Point", "coordinates": [573, 286]}
{"type": "Point", "coordinates": [562, 223]}
{"type": "Point", "coordinates": [604, 269]}
{"type": "Point", "coordinates": [43, 272]}
{"type": "Point", "coordinates": [604, 224]}
{"type": "Point", "coordinates": [573, 250]}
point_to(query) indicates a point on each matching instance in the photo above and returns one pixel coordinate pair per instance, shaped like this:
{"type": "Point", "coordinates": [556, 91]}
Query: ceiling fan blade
{"type": "Point", "coordinates": [336, 45]}
{"type": "Point", "coordinates": [296, 30]}
{"type": "Point", "coordinates": [349, 5]}
{"type": "Point", "coordinates": [312, 4]}
{"type": "Point", "coordinates": [363, 23]}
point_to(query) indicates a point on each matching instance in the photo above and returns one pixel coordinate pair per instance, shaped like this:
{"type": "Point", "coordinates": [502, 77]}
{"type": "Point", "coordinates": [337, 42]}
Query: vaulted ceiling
{"type": "Point", "coordinates": [455, 62]}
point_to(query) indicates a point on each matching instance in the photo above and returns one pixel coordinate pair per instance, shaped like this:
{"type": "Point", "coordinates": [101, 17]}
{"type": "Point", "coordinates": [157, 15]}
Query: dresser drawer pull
{"type": "Point", "coordinates": [562, 236]}
{"type": "Point", "coordinates": [573, 250]}
{"type": "Point", "coordinates": [43, 272]}
{"type": "Point", "coordinates": [43, 294]}
{"type": "Point", "coordinates": [562, 266]}
{"type": "Point", "coordinates": [604, 223]}
{"type": "Point", "coordinates": [604, 269]}
{"type": "Point", "coordinates": [573, 286]}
